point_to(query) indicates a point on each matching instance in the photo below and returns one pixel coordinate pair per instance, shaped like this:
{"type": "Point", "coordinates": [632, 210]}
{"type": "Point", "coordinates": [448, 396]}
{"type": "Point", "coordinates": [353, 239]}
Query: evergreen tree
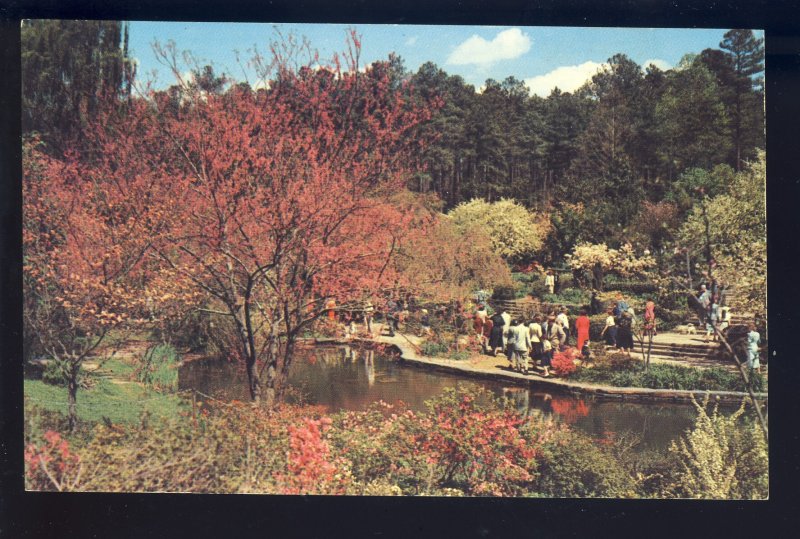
{"type": "Point", "coordinates": [68, 69]}
{"type": "Point", "coordinates": [746, 56]}
{"type": "Point", "coordinates": [693, 122]}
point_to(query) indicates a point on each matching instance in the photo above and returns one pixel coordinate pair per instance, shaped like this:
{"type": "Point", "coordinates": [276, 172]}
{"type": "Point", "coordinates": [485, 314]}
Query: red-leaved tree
{"type": "Point", "coordinates": [271, 202]}
{"type": "Point", "coordinates": [84, 237]}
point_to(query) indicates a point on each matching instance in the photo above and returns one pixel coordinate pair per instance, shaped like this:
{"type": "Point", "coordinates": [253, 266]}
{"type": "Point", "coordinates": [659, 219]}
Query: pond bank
{"type": "Point", "coordinates": [496, 369]}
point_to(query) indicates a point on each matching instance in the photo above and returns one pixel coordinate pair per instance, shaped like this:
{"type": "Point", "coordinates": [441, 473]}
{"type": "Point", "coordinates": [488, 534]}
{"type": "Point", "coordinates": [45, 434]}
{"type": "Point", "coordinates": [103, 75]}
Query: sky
{"type": "Point", "coordinates": [544, 57]}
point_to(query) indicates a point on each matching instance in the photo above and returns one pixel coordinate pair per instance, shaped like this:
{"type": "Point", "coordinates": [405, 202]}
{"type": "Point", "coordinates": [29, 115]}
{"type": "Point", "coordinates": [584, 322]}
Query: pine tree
{"type": "Point", "coordinates": [746, 54]}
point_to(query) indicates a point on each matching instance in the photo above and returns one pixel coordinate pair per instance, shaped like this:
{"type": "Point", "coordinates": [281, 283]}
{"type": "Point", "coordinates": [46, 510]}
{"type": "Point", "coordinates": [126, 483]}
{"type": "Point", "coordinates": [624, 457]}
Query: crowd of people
{"type": "Point", "coordinates": [712, 298]}
{"type": "Point", "coordinates": [530, 344]}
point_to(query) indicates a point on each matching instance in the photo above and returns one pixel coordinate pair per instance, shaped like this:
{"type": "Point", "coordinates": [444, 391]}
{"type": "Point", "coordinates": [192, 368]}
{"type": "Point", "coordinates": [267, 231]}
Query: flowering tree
{"type": "Point", "coordinates": [736, 236]}
{"type": "Point", "coordinates": [600, 260]}
{"type": "Point", "coordinates": [84, 237]}
{"type": "Point", "coordinates": [443, 261]}
{"type": "Point", "coordinates": [275, 201]}
{"type": "Point", "coordinates": [516, 233]}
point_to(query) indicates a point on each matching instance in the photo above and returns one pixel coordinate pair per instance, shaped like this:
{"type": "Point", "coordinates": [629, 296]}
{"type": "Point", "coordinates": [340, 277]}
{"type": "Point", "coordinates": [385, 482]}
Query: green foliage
{"type": "Point", "coordinates": [516, 233]}
{"type": "Point", "coordinates": [686, 190]}
{"type": "Point", "coordinates": [459, 355]}
{"type": "Point", "coordinates": [694, 122]}
{"type": "Point", "coordinates": [572, 465]}
{"type": "Point", "coordinates": [737, 230]}
{"type": "Point", "coordinates": [68, 69]}
{"type": "Point", "coordinates": [722, 457]}
{"type": "Point", "coordinates": [620, 371]}
{"type": "Point", "coordinates": [505, 293]}
{"type": "Point", "coordinates": [433, 349]}
{"type": "Point", "coordinates": [54, 373]}
{"type": "Point", "coordinates": [110, 395]}
{"type": "Point", "coordinates": [159, 368]}
{"type": "Point", "coordinates": [568, 296]}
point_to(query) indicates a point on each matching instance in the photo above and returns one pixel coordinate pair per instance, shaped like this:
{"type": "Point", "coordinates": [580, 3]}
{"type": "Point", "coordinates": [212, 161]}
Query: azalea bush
{"type": "Point", "coordinates": [563, 362]}
{"type": "Point", "coordinates": [51, 465]}
{"type": "Point", "coordinates": [466, 442]}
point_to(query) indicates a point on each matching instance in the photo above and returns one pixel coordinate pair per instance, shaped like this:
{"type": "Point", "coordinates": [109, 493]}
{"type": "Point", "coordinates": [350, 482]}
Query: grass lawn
{"type": "Point", "coordinates": [113, 395]}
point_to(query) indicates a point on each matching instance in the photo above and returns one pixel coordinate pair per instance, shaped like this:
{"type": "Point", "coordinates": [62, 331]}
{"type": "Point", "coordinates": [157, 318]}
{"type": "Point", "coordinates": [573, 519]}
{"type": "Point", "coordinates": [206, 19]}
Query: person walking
{"type": "Point", "coordinates": [711, 319]}
{"type": "Point", "coordinates": [582, 324]}
{"type": "Point", "coordinates": [487, 334]}
{"type": "Point", "coordinates": [496, 337]}
{"type": "Point", "coordinates": [506, 324]}
{"type": "Point", "coordinates": [520, 341]}
{"type": "Point", "coordinates": [478, 323]}
{"type": "Point", "coordinates": [610, 329]}
{"type": "Point", "coordinates": [535, 330]}
{"type": "Point", "coordinates": [622, 304]}
{"type": "Point", "coordinates": [724, 317]}
{"type": "Point", "coordinates": [555, 334]}
{"type": "Point", "coordinates": [625, 333]}
{"type": "Point", "coordinates": [369, 310]}
{"type": "Point", "coordinates": [425, 323]}
{"type": "Point", "coordinates": [563, 319]}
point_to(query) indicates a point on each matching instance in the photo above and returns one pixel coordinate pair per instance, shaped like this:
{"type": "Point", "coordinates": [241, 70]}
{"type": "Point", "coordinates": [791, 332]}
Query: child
{"type": "Point", "coordinates": [586, 352]}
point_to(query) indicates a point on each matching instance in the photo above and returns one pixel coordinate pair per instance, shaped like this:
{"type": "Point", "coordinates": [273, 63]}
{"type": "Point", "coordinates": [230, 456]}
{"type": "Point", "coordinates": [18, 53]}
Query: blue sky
{"type": "Point", "coordinates": [542, 56]}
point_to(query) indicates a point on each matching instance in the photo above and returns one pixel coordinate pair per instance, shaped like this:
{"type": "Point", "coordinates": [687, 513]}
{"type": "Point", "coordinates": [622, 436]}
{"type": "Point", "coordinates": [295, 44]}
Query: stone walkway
{"type": "Point", "coordinates": [497, 368]}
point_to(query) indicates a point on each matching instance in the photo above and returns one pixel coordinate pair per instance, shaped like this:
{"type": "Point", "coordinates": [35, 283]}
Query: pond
{"type": "Point", "coordinates": [350, 378]}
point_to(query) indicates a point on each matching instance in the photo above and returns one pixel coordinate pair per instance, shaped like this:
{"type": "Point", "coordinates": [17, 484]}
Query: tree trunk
{"type": "Point", "coordinates": [72, 396]}
{"type": "Point", "coordinates": [253, 383]}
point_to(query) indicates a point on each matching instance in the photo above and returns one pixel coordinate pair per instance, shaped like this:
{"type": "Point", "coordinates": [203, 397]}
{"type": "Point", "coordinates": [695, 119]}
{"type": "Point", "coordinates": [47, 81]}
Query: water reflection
{"type": "Point", "coordinates": [351, 378]}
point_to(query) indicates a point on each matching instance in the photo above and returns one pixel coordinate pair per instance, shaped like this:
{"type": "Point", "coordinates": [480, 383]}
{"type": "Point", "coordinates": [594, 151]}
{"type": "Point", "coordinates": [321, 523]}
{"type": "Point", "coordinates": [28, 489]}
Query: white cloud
{"type": "Point", "coordinates": [411, 41]}
{"type": "Point", "coordinates": [660, 64]}
{"type": "Point", "coordinates": [566, 78]}
{"type": "Point", "coordinates": [506, 45]}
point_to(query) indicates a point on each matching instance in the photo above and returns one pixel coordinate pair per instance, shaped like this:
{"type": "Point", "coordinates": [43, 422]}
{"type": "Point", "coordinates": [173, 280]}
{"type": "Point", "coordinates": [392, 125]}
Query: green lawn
{"type": "Point", "coordinates": [119, 402]}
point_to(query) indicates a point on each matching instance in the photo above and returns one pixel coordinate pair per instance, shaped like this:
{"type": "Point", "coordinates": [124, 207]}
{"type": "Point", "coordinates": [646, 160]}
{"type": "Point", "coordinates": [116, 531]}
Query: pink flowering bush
{"type": "Point", "coordinates": [51, 465]}
{"type": "Point", "coordinates": [310, 467]}
{"type": "Point", "coordinates": [563, 363]}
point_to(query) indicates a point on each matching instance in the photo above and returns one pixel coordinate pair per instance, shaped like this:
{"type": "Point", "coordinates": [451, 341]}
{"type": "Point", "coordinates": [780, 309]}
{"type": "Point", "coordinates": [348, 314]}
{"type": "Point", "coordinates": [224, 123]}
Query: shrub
{"type": "Point", "coordinates": [459, 355]}
{"type": "Point", "coordinates": [476, 445]}
{"type": "Point", "coordinates": [53, 373]}
{"type": "Point", "coordinates": [563, 363]}
{"type": "Point", "coordinates": [191, 331]}
{"type": "Point", "coordinates": [505, 292]}
{"type": "Point", "coordinates": [632, 287]}
{"type": "Point", "coordinates": [51, 465]}
{"type": "Point", "coordinates": [572, 465]}
{"type": "Point", "coordinates": [433, 348]}
{"type": "Point", "coordinates": [569, 296]}
{"type": "Point", "coordinates": [721, 460]}
{"type": "Point", "coordinates": [159, 368]}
